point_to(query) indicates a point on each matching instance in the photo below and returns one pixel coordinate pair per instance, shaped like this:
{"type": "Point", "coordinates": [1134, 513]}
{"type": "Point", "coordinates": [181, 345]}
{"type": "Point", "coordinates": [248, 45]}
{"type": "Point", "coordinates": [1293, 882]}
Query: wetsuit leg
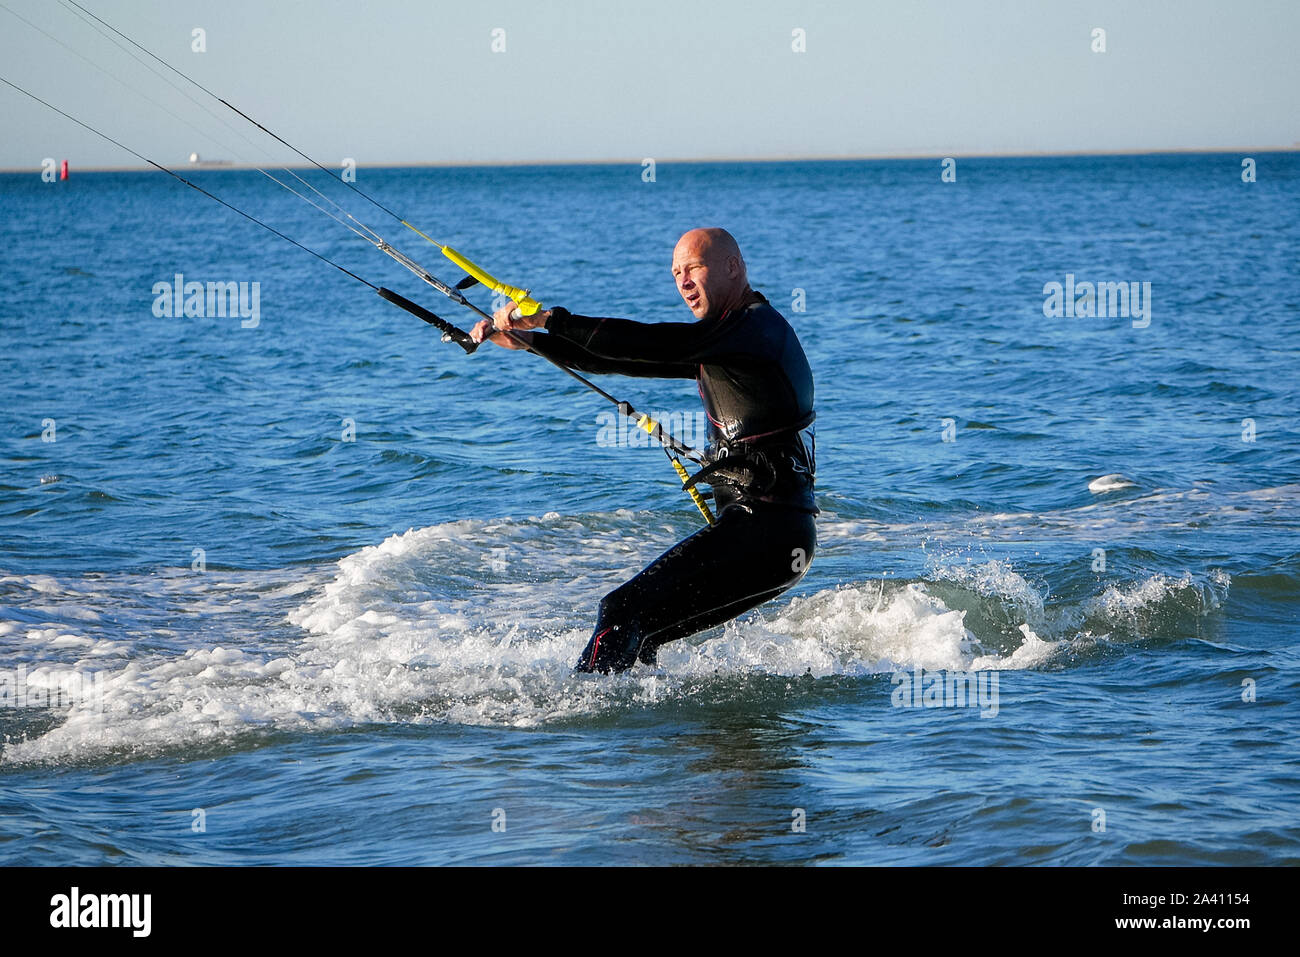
{"type": "Point", "coordinates": [749, 556]}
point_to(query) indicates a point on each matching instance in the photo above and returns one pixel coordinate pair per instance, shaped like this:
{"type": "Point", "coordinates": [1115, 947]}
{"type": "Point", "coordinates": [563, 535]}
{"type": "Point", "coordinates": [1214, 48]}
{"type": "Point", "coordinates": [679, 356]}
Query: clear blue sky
{"type": "Point", "coordinates": [391, 81]}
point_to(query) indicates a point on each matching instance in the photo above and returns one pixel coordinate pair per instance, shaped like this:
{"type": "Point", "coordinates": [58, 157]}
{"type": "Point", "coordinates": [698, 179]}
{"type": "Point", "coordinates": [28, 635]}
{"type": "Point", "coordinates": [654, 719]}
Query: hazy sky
{"type": "Point", "coordinates": [398, 81]}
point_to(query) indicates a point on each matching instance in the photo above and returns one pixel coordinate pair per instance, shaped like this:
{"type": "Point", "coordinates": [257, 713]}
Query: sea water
{"type": "Point", "coordinates": [285, 579]}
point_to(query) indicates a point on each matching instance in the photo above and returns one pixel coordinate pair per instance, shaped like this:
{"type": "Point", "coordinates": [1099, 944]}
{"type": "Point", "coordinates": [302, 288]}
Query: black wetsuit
{"type": "Point", "coordinates": [758, 392]}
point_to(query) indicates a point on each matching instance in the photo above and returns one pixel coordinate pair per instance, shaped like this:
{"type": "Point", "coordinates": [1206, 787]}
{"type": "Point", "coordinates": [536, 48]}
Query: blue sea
{"type": "Point", "coordinates": [304, 584]}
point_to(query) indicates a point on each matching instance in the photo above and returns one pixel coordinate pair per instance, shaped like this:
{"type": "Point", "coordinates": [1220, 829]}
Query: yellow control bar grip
{"type": "Point", "coordinates": [693, 493]}
{"type": "Point", "coordinates": [649, 425]}
{"type": "Point", "coordinates": [526, 304]}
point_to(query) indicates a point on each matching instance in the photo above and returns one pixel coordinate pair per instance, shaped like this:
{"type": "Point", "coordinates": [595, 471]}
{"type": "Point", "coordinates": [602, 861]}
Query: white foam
{"type": "Point", "coordinates": [1034, 653]}
{"type": "Point", "coordinates": [1110, 483]}
{"type": "Point", "coordinates": [1127, 603]}
{"type": "Point", "coordinates": [995, 579]}
{"type": "Point", "coordinates": [477, 622]}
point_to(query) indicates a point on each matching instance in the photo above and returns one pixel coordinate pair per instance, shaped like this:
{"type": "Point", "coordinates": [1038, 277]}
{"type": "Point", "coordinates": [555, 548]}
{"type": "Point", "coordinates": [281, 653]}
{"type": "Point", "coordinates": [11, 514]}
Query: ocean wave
{"type": "Point", "coordinates": [479, 622]}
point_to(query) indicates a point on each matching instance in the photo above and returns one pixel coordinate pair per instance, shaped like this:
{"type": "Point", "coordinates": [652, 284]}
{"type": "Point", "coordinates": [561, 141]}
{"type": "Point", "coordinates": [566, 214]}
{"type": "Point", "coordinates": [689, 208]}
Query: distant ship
{"type": "Point", "coordinates": [196, 160]}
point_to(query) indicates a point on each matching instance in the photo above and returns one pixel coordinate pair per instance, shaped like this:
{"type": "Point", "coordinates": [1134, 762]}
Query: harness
{"type": "Point", "coordinates": [747, 463]}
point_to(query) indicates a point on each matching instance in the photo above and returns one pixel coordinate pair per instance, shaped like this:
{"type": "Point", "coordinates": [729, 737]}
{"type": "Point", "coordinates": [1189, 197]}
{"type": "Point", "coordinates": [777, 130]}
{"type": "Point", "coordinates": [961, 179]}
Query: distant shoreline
{"type": "Point", "coordinates": [217, 165]}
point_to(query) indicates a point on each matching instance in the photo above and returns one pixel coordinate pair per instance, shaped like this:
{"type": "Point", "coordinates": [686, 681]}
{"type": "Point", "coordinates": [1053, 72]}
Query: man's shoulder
{"type": "Point", "coordinates": [762, 314]}
{"type": "Point", "coordinates": [758, 306]}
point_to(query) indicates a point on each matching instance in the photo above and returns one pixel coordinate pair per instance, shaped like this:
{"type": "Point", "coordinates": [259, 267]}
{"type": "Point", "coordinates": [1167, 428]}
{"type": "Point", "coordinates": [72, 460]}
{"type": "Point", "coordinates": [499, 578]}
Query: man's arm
{"type": "Point", "coordinates": [569, 353]}
{"type": "Point", "coordinates": [526, 334]}
{"type": "Point", "coordinates": [628, 341]}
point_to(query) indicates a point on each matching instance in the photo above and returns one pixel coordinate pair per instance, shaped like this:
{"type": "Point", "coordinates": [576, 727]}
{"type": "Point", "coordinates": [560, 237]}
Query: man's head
{"type": "Point", "coordinates": [710, 272]}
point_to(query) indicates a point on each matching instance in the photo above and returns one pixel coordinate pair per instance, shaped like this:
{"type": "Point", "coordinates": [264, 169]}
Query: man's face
{"type": "Point", "coordinates": [703, 281]}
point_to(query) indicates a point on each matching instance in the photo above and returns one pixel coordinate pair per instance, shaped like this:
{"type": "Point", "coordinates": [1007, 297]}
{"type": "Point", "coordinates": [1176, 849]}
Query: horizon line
{"type": "Point", "coordinates": [808, 158]}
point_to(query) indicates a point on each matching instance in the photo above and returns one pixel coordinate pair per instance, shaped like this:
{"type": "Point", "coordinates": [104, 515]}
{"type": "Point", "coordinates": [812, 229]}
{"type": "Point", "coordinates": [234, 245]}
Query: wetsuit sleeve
{"type": "Point", "coordinates": [647, 342]}
{"type": "Point", "coordinates": [567, 349]}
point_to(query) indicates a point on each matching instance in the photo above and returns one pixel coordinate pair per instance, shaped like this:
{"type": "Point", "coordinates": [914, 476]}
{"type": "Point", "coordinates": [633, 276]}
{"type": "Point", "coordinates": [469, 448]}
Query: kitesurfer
{"type": "Point", "coordinates": [757, 389]}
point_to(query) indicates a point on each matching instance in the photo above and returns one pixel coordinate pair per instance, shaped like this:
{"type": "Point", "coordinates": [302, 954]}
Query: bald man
{"type": "Point", "coordinates": [758, 392]}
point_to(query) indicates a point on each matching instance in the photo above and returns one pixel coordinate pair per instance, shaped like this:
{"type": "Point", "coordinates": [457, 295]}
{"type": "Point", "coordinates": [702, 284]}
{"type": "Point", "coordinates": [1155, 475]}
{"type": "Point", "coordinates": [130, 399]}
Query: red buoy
{"type": "Point", "coordinates": [64, 173]}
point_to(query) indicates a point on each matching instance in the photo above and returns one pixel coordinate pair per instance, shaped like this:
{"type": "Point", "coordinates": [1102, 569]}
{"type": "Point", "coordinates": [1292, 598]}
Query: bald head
{"type": "Point", "coordinates": [710, 272]}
